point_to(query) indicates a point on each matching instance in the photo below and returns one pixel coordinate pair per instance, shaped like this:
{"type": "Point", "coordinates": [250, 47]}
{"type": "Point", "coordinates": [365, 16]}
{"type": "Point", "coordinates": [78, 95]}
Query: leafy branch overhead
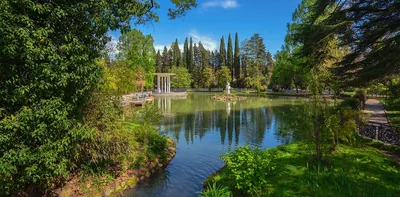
{"type": "Point", "coordinates": [368, 28]}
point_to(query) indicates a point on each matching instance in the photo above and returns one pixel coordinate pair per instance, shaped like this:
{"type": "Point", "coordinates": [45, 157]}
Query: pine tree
{"type": "Point", "coordinates": [270, 67]}
{"type": "Point", "coordinates": [158, 62]}
{"type": "Point", "coordinates": [185, 54]}
{"type": "Point", "coordinates": [254, 51]}
{"type": "Point", "coordinates": [229, 61]}
{"type": "Point", "coordinates": [236, 59]}
{"type": "Point", "coordinates": [222, 53]}
{"type": "Point", "coordinates": [165, 60]}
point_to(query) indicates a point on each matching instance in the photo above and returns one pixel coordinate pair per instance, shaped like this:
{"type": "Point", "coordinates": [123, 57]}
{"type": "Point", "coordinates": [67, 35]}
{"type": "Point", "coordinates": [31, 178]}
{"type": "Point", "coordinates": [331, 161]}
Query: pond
{"type": "Point", "coordinates": [203, 129]}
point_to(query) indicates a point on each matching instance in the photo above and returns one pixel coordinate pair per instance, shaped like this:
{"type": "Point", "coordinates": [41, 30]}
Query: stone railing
{"type": "Point", "coordinates": [382, 132]}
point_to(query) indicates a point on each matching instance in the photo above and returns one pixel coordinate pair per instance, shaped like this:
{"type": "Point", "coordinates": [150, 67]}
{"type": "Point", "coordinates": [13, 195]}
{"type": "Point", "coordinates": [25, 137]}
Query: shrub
{"type": "Point", "coordinates": [39, 147]}
{"type": "Point", "coordinates": [151, 139]}
{"type": "Point", "coordinates": [249, 169]}
{"type": "Point", "coordinates": [216, 191]}
{"type": "Point", "coordinates": [353, 103]}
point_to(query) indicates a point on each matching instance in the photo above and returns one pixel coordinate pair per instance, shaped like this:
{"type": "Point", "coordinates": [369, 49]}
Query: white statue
{"type": "Point", "coordinates": [228, 88]}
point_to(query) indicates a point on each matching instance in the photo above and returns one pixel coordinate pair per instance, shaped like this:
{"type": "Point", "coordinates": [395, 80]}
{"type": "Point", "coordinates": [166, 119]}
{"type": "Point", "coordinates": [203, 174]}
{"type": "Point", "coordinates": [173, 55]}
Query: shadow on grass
{"type": "Point", "coordinates": [350, 172]}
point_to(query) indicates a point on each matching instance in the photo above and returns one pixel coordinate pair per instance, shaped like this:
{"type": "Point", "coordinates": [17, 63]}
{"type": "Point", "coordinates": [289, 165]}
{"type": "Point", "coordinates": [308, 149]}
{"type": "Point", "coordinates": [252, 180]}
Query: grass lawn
{"type": "Point", "coordinates": [392, 112]}
{"type": "Point", "coordinates": [350, 171]}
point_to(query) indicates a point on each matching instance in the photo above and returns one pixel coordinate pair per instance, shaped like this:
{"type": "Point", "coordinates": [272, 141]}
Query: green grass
{"type": "Point", "coordinates": [349, 171]}
{"type": "Point", "coordinates": [393, 112]}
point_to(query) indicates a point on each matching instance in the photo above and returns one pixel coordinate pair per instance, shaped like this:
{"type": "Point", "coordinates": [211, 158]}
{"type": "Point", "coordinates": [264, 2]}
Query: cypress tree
{"type": "Point", "coordinates": [158, 62]}
{"type": "Point", "coordinates": [216, 60]}
{"type": "Point", "coordinates": [236, 59]}
{"type": "Point", "coordinates": [176, 53]}
{"type": "Point", "coordinates": [190, 59]}
{"type": "Point", "coordinates": [204, 60]}
{"type": "Point", "coordinates": [170, 59]}
{"type": "Point", "coordinates": [229, 61]}
{"type": "Point", "coordinates": [165, 60]}
{"type": "Point", "coordinates": [196, 56]}
{"type": "Point", "coordinates": [185, 54]}
{"type": "Point", "coordinates": [222, 53]}
{"type": "Point", "coordinates": [212, 57]}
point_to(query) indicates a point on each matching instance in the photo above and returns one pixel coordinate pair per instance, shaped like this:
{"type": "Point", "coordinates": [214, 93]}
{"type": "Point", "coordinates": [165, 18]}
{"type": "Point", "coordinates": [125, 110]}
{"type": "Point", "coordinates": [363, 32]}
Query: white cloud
{"type": "Point", "coordinates": [161, 47]}
{"type": "Point", "coordinates": [221, 3]}
{"type": "Point", "coordinates": [207, 42]}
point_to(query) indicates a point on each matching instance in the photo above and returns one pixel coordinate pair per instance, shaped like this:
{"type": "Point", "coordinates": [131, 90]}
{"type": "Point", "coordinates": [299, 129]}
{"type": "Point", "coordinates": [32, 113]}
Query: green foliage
{"type": "Point", "coordinates": [249, 169]}
{"type": "Point", "coordinates": [364, 26]}
{"type": "Point", "coordinates": [351, 172]}
{"type": "Point", "coordinates": [216, 191]}
{"type": "Point", "coordinates": [138, 52]}
{"type": "Point", "coordinates": [229, 58]}
{"type": "Point", "coordinates": [222, 53]}
{"type": "Point", "coordinates": [392, 107]}
{"type": "Point", "coordinates": [49, 84]}
{"type": "Point", "coordinates": [353, 103]}
{"type": "Point", "coordinates": [394, 86]}
{"type": "Point", "coordinates": [236, 59]}
{"type": "Point", "coordinates": [182, 79]}
{"type": "Point", "coordinates": [223, 76]}
{"type": "Point", "coordinates": [322, 126]}
{"type": "Point", "coordinates": [254, 77]}
{"type": "Point", "coordinates": [176, 54]}
{"type": "Point", "coordinates": [207, 77]}
{"type": "Point", "coordinates": [150, 114]}
{"type": "Point", "coordinates": [151, 140]}
{"type": "Point", "coordinates": [159, 65]}
{"type": "Point", "coordinates": [118, 77]}
{"type": "Point", "coordinates": [39, 145]}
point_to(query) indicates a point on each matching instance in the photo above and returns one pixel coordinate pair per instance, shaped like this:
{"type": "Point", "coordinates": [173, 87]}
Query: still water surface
{"type": "Point", "coordinates": [203, 129]}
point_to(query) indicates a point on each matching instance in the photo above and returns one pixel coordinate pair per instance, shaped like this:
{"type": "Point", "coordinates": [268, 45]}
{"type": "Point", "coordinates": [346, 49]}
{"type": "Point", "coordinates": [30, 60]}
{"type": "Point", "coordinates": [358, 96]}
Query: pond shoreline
{"type": "Point", "coordinates": [123, 182]}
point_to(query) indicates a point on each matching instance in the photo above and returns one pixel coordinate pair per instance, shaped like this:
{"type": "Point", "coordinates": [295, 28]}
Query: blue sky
{"type": "Point", "coordinates": [215, 18]}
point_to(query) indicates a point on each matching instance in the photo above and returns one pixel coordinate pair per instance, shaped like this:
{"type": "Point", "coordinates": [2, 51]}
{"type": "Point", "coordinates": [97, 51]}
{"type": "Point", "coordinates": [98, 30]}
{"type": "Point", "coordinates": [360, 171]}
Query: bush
{"type": "Point", "coordinates": [216, 191]}
{"type": "Point", "coordinates": [150, 138]}
{"type": "Point", "coordinates": [39, 147]}
{"type": "Point", "coordinates": [353, 103]}
{"type": "Point", "coordinates": [249, 169]}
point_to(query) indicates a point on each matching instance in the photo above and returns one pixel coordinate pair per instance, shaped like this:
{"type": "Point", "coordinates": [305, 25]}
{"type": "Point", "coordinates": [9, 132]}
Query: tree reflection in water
{"type": "Point", "coordinates": [204, 128]}
{"type": "Point", "coordinates": [199, 115]}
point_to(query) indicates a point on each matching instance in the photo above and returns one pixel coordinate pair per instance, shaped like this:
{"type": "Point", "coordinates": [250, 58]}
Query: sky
{"type": "Point", "coordinates": [212, 19]}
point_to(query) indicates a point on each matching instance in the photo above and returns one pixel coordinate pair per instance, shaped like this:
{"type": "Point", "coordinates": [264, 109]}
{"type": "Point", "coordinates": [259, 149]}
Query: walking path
{"type": "Point", "coordinates": [376, 111]}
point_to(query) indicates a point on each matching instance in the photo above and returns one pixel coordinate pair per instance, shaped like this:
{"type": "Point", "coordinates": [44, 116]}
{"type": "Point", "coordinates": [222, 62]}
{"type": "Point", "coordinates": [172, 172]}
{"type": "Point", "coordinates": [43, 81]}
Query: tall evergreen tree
{"type": "Point", "coordinates": [254, 50]}
{"type": "Point", "coordinates": [170, 59]}
{"type": "Point", "coordinates": [270, 67]}
{"type": "Point", "coordinates": [236, 59]}
{"type": "Point", "coordinates": [217, 61]}
{"type": "Point", "coordinates": [196, 56]}
{"type": "Point", "coordinates": [222, 53]}
{"type": "Point", "coordinates": [212, 57]}
{"type": "Point", "coordinates": [205, 58]}
{"type": "Point", "coordinates": [190, 59]}
{"type": "Point", "coordinates": [229, 59]}
{"type": "Point", "coordinates": [158, 62]}
{"type": "Point", "coordinates": [185, 53]}
{"type": "Point", "coordinates": [165, 60]}
{"type": "Point", "coordinates": [176, 53]}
